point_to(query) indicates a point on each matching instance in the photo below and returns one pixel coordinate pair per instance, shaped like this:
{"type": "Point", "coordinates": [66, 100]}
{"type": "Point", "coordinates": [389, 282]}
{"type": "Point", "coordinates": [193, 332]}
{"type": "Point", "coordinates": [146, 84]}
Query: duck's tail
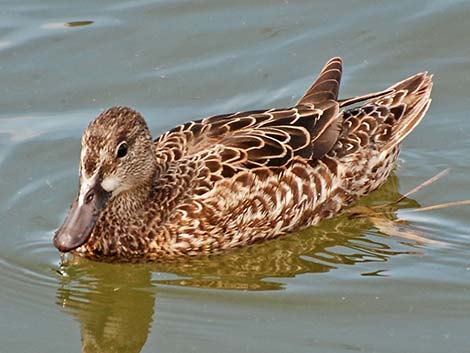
{"type": "Point", "coordinates": [401, 107]}
{"type": "Point", "coordinates": [409, 100]}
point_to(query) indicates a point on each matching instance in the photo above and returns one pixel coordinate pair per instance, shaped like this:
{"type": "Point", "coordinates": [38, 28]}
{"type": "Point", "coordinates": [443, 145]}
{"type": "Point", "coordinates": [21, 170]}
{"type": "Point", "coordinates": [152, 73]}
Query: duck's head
{"type": "Point", "coordinates": [117, 157]}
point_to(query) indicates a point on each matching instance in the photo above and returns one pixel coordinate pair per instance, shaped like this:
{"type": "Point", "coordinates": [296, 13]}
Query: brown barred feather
{"type": "Point", "coordinates": [236, 179]}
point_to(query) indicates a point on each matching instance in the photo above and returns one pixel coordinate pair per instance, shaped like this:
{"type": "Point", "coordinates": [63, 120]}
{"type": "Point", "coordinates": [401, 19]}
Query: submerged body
{"type": "Point", "coordinates": [233, 180]}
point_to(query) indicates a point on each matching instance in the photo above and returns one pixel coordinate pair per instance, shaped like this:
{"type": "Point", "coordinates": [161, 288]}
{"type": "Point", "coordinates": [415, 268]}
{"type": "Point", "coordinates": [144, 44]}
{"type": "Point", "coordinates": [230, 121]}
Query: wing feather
{"type": "Point", "coordinates": [326, 86]}
{"type": "Point", "coordinates": [267, 138]}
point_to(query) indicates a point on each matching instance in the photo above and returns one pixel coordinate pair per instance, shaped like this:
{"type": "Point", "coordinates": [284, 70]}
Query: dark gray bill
{"type": "Point", "coordinates": [79, 223]}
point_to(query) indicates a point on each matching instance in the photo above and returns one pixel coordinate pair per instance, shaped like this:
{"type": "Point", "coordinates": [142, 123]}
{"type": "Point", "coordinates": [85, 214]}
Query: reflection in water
{"type": "Point", "coordinates": [114, 302]}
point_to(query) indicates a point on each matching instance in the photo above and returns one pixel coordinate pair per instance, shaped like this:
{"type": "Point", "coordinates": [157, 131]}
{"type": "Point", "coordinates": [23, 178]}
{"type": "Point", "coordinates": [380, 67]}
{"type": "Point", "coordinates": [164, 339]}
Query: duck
{"type": "Point", "coordinates": [232, 180]}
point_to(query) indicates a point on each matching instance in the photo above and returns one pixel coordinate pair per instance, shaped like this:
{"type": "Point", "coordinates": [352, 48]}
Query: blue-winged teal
{"type": "Point", "coordinates": [236, 179]}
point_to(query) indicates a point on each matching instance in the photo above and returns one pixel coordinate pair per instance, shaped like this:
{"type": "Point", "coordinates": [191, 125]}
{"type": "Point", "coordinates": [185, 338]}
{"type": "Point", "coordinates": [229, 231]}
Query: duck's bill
{"type": "Point", "coordinates": [79, 223]}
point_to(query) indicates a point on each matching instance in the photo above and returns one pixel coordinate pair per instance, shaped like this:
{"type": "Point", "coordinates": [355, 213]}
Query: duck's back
{"type": "Point", "coordinates": [236, 179]}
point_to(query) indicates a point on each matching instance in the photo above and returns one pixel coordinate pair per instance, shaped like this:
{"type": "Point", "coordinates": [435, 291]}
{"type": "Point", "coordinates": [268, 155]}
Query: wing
{"type": "Point", "coordinates": [254, 139]}
{"type": "Point", "coordinates": [270, 138]}
{"type": "Point", "coordinates": [326, 86]}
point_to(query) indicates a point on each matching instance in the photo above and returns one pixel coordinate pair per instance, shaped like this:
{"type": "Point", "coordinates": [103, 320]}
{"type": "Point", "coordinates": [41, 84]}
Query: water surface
{"type": "Point", "coordinates": [394, 282]}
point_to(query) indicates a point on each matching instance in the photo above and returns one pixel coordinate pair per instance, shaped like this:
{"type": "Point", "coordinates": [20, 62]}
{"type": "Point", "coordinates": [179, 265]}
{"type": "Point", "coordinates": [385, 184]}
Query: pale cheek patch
{"type": "Point", "coordinates": [110, 183]}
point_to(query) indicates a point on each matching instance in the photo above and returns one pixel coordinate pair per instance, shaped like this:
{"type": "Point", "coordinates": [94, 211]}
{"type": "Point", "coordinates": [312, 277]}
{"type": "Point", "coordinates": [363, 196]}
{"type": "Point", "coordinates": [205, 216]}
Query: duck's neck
{"type": "Point", "coordinates": [129, 204]}
{"type": "Point", "coordinates": [117, 229]}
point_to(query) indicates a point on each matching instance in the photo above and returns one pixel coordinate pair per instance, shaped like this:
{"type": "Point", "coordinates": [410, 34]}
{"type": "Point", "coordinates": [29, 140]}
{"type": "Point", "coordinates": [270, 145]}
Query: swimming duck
{"type": "Point", "coordinates": [236, 179]}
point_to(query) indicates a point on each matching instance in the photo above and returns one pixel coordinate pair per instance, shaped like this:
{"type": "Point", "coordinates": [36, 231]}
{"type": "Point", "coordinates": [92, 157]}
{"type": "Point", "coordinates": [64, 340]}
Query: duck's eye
{"type": "Point", "coordinates": [122, 150]}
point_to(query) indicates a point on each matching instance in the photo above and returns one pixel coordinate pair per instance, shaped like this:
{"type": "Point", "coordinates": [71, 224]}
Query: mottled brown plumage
{"type": "Point", "coordinates": [232, 180]}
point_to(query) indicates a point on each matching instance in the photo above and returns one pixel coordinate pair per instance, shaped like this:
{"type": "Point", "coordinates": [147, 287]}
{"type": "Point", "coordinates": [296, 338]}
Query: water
{"type": "Point", "coordinates": [350, 284]}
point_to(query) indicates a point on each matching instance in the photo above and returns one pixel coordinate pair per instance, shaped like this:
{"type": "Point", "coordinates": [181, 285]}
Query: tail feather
{"type": "Point", "coordinates": [412, 97]}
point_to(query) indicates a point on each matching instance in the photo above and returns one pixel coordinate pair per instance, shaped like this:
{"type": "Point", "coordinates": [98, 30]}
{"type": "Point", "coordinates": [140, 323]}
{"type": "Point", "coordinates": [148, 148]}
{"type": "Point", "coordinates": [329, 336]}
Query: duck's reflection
{"type": "Point", "coordinates": [114, 305]}
{"type": "Point", "coordinates": [115, 302]}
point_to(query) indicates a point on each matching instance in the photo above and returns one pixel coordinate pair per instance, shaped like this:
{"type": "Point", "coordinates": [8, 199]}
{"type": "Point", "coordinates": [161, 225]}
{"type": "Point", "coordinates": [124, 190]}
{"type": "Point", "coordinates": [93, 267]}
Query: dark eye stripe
{"type": "Point", "coordinates": [122, 150]}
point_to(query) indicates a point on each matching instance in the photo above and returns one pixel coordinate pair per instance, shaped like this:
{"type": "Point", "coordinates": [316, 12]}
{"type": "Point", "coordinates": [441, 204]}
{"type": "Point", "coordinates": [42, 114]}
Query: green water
{"type": "Point", "coordinates": [399, 282]}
